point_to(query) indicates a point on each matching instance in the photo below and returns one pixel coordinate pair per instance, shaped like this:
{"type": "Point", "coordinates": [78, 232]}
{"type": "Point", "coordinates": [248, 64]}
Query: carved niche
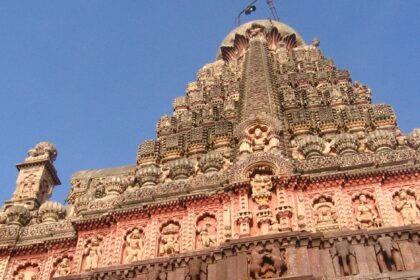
{"type": "Point", "coordinates": [258, 138]}
{"type": "Point", "coordinates": [29, 271]}
{"type": "Point", "coordinates": [344, 259]}
{"type": "Point", "coordinates": [262, 186]}
{"type": "Point", "coordinates": [92, 253]}
{"type": "Point", "coordinates": [134, 249]}
{"type": "Point", "coordinates": [169, 239]}
{"type": "Point", "coordinates": [408, 206]}
{"type": "Point", "coordinates": [365, 211]}
{"type": "Point", "coordinates": [325, 214]}
{"type": "Point", "coordinates": [62, 266]}
{"type": "Point", "coordinates": [206, 231]}
{"type": "Point", "coordinates": [266, 263]}
{"type": "Point", "coordinates": [388, 254]}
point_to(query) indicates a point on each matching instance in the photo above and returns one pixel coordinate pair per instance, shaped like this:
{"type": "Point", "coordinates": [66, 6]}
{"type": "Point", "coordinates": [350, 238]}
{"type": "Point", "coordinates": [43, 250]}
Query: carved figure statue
{"type": "Point", "coordinates": [196, 270]}
{"type": "Point", "coordinates": [261, 189]}
{"type": "Point", "coordinates": [204, 237]}
{"type": "Point", "coordinates": [259, 137]}
{"type": "Point", "coordinates": [326, 216]}
{"type": "Point", "coordinates": [92, 253]}
{"type": "Point", "coordinates": [169, 240]}
{"type": "Point", "coordinates": [266, 263]}
{"type": "Point", "coordinates": [344, 259]}
{"type": "Point", "coordinates": [366, 214]}
{"type": "Point", "coordinates": [63, 267]}
{"type": "Point", "coordinates": [388, 254]}
{"type": "Point", "coordinates": [135, 246]}
{"type": "Point", "coordinates": [408, 208]}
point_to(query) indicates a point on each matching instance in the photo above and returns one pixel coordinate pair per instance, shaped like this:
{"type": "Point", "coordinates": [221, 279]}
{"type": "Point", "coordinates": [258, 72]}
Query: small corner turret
{"type": "Point", "coordinates": [37, 177]}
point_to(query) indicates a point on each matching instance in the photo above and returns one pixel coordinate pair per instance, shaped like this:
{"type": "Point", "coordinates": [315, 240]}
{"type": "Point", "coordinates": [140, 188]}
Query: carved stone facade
{"type": "Point", "coordinates": [273, 165]}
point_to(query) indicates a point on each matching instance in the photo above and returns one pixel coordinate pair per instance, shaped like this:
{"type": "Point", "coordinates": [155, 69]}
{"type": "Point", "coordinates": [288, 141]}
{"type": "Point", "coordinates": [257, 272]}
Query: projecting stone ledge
{"type": "Point", "coordinates": [388, 253]}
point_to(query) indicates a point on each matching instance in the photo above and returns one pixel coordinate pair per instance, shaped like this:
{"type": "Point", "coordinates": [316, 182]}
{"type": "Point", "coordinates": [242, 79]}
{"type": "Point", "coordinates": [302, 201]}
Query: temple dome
{"type": "Point", "coordinates": [282, 28]}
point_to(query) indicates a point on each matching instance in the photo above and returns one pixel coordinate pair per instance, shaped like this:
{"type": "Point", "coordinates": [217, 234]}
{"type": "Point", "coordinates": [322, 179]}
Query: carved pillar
{"type": "Point", "coordinates": [3, 266]}
{"type": "Point", "coordinates": [284, 210]}
{"type": "Point", "coordinates": [244, 216]}
{"type": "Point", "coordinates": [227, 221]}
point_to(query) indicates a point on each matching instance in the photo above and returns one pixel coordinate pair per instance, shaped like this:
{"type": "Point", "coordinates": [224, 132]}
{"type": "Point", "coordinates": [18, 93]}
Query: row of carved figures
{"type": "Point", "coordinates": [269, 261]}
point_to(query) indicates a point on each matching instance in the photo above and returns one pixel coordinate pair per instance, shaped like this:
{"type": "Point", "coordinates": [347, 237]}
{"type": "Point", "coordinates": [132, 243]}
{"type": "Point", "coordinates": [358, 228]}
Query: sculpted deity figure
{"type": "Point", "coordinates": [135, 246]}
{"type": "Point", "coordinates": [267, 262]}
{"type": "Point", "coordinates": [261, 189]}
{"type": "Point", "coordinates": [326, 216]}
{"type": "Point", "coordinates": [169, 240]}
{"type": "Point", "coordinates": [259, 138]}
{"type": "Point", "coordinates": [63, 267]}
{"type": "Point", "coordinates": [205, 238]}
{"type": "Point", "coordinates": [366, 214]}
{"type": "Point", "coordinates": [92, 253]}
{"type": "Point", "coordinates": [408, 208]}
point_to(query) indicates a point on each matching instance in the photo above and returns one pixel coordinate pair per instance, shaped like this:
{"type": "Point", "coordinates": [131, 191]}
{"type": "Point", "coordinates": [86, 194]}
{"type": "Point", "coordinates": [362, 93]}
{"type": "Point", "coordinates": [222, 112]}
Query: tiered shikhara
{"type": "Point", "coordinates": [274, 164]}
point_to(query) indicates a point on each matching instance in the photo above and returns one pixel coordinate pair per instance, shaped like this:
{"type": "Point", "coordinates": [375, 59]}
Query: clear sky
{"type": "Point", "coordinates": [93, 77]}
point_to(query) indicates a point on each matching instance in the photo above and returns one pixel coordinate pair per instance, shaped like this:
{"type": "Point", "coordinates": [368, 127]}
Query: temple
{"type": "Point", "coordinates": [273, 165]}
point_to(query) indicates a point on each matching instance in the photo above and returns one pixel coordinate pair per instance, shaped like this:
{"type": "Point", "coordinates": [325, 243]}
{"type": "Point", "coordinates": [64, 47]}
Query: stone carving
{"type": "Point", "coordinates": [414, 139]}
{"type": "Point", "coordinates": [28, 272]}
{"type": "Point", "coordinates": [408, 208]}
{"type": "Point", "coordinates": [156, 273]}
{"type": "Point", "coordinates": [51, 211]}
{"type": "Point", "coordinates": [388, 254]}
{"type": "Point", "coordinates": [366, 213]}
{"type": "Point", "coordinates": [346, 144]}
{"type": "Point", "coordinates": [196, 270]}
{"type": "Point", "coordinates": [180, 169]}
{"type": "Point", "coordinates": [92, 253]}
{"type": "Point", "coordinates": [206, 231]}
{"type": "Point", "coordinates": [261, 189]}
{"type": "Point", "coordinates": [267, 262]}
{"type": "Point", "coordinates": [344, 259]}
{"type": "Point", "coordinates": [325, 214]}
{"type": "Point", "coordinates": [134, 246]}
{"type": "Point", "coordinates": [312, 146]}
{"type": "Point", "coordinates": [380, 140]}
{"type": "Point", "coordinates": [18, 215]}
{"type": "Point", "coordinates": [42, 150]}
{"type": "Point", "coordinates": [259, 137]}
{"type": "Point", "coordinates": [114, 186]}
{"type": "Point", "coordinates": [169, 239]}
{"type": "Point", "coordinates": [148, 175]}
{"type": "Point", "coordinates": [211, 162]}
{"type": "Point", "coordinates": [62, 268]}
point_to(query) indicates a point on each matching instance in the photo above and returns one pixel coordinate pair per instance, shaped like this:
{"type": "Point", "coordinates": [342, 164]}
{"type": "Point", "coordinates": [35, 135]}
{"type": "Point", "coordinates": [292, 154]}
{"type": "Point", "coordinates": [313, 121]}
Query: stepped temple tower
{"type": "Point", "coordinates": [274, 164]}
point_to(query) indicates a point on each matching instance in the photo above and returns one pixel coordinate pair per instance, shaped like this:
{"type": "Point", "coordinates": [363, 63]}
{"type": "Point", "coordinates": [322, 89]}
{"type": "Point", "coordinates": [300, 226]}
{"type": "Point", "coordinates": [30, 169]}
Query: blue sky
{"type": "Point", "coordinates": [93, 77]}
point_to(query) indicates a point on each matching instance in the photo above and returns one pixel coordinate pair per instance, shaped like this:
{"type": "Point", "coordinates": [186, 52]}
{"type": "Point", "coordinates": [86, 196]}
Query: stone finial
{"type": "Point", "coordinates": [381, 140]}
{"type": "Point", "coordinates": [115, 186]}
{"type": "Point", "coordinates": [180, 169]}
{"type": "Point", "coordinates": [148, 175]}
{"type": "Point", "coordinates": [346, 143]}
{"type": "Point", "coordinates": [51, 211]}
{"type": "Point", "coordinates": [311, 146]}
{"type": "Point", "coordinates": [42, 150]}
{"type": "Point", "coordinates": [18, 215]}
{"type": "Point", "coordinates": [211, 161]}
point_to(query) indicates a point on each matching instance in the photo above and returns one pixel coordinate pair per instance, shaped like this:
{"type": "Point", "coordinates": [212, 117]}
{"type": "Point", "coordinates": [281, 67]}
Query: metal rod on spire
{"type": "Point", "coordinates": [248, 10]}
{"type": "Point", "coordinates": [273, 10]}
